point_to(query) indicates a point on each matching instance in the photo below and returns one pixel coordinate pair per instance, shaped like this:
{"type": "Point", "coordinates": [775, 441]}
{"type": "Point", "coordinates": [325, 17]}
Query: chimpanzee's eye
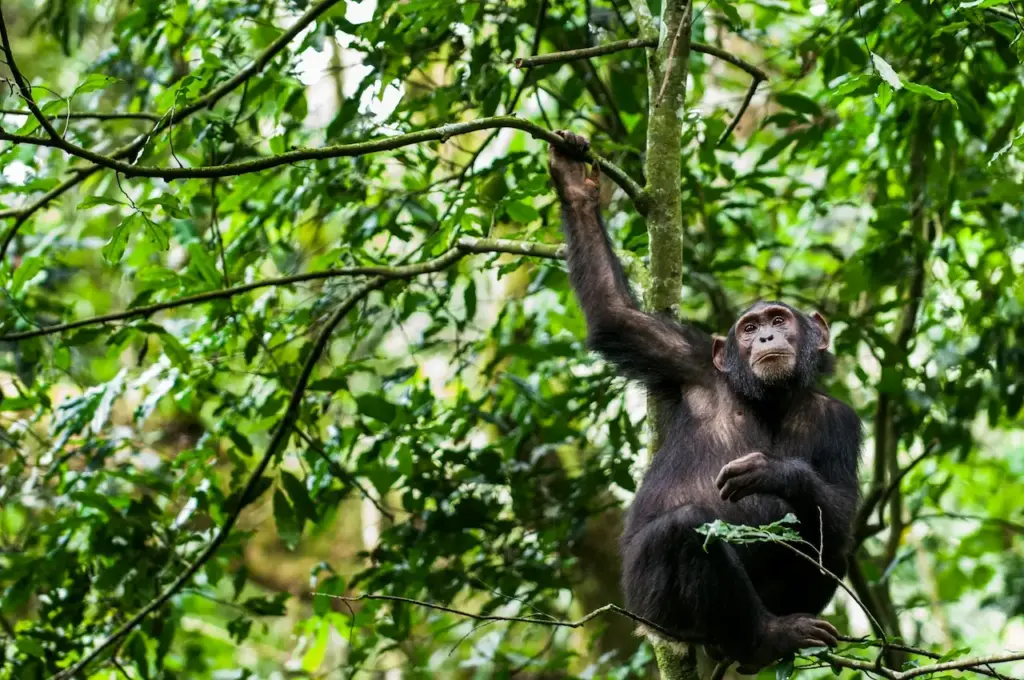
{"type": "Point", "coordinates": [749, 328]}
{"type": "Point", "coordinates": [778, 321]}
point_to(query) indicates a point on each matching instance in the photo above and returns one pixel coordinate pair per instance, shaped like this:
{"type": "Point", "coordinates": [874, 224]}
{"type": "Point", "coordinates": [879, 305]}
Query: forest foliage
{"type": "Point", "coordinates": [284, 312]}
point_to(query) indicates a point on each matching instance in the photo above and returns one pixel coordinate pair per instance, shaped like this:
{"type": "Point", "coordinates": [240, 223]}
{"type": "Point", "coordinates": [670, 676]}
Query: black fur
{"type": "Point", "coordinates": [734, 598]}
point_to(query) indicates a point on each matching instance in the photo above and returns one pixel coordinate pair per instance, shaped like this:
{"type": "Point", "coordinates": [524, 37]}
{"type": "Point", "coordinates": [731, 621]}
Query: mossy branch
{"type": "Point", "coordinates": [441, 134]}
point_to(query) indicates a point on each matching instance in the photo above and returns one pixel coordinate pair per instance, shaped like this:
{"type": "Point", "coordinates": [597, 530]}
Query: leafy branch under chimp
{"type": "Point", "coordinates": [779, 533]}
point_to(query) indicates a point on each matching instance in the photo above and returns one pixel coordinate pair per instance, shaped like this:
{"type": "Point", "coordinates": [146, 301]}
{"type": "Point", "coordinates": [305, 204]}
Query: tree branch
{"type": "Point", "coordinates": [555, 623]}
{"type": "Point", "coordinates": [277, 443]}
{"type": "Point", "coordinates": [751, 91]}
{"type": "Point", "coordinates": [462, 247]}
{"type": "Point", "coordinates": [974, 665]}
{"type": "Point", "coordinates": [757, 74]}
{"type": "Point", "coordinates": [139, 115]}
{"type": "Point", "coordinates": [584, 53]}
{"type": "Point", "coordinates": [23, 85]}
{"type": "Point", "coordinates": [442, 133]}
{"type": "Point", "coordinates": [917, 652]}
{"type": "Point", "coordinates": [620, 45]}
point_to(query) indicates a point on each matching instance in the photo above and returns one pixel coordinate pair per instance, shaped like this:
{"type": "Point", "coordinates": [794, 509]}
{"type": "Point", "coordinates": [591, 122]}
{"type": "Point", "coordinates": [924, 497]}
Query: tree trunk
{"type": "Point", "coordinates": [667, 69]}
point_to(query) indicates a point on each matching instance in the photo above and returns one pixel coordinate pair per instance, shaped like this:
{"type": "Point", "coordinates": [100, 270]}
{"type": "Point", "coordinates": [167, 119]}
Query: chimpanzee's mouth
{"type": "Point", "coordinates": [772, 355]}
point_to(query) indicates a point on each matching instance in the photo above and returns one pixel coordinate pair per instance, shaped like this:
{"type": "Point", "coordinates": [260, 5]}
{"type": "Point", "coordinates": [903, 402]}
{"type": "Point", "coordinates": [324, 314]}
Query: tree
{"type": "Point", "coordinates": [298, 351]}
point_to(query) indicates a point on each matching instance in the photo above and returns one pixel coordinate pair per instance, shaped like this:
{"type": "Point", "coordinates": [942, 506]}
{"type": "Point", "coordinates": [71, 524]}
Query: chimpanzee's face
{"type": "Point", "coordinates": [768, 339]}
{"type": "Point", "coordinates": [773, 347]}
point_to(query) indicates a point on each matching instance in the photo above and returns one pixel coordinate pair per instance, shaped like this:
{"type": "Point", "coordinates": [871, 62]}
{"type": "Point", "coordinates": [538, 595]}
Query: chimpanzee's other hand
{"type": "Point", "coordinates": [749, 474]}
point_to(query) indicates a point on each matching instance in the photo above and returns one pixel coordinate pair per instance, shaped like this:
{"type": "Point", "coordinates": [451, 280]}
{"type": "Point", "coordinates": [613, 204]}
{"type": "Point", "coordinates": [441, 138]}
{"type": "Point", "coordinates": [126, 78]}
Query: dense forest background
{"type": "Point", "coordinates": [283, 313]}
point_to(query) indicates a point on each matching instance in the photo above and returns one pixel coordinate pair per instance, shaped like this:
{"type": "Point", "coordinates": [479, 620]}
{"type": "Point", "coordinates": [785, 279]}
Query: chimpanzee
{"type": "Point", "coordinates": [749, 439]}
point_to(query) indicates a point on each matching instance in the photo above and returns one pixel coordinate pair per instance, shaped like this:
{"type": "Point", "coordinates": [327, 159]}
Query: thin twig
{"type": "Point", "coordinates": [463, 246]}
{"type": "Point", "coordinates": [620, 45]}
{"type": "Point", "coordinates": [88, 116]}
{"type": "Point", "coordinates": [974, 665]}
{"type": "Point", "coordinates": [608, 608]}
{"type": "Point", "coordinates": [23, 85]}
{"type": "Point", "coordinates": [341, 473]}
{"type": "Point", "coordinates": [583, 53]}
{"type": "Point", "coordinates": [749, 97]}
{"type": "Point", "coordinates": [894, 485]}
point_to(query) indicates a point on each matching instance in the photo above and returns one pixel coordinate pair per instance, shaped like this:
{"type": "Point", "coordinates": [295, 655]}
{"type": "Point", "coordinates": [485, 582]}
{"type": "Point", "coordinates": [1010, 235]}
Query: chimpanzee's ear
{"type": "Point", "coordinates": [822, 326]}
{"type": "Point", "coordinates": [718, 352]}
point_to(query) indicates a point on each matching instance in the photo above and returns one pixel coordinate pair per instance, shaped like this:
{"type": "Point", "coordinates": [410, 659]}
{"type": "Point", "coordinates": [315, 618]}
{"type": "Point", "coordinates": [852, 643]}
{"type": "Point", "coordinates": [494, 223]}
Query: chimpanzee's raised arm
{"type": "Point", "coordinates": [660, 352]}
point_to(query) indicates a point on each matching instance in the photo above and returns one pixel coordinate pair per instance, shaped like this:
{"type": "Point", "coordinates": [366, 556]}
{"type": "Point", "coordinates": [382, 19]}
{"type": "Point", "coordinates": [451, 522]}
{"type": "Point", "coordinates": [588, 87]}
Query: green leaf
{"type": "Point", "coordinates": [886, 72]}
{"type": "Point", "coordinates": [94, 82]}
{"type": "Point", "coordinates": [331, 384]}
{"type": "Point", "coordinates": [17, 403]}
{"type": "Point", "coordinates": [731, 14]}
{"type": "Point", "coordinates": [953, 27]}
{"type": "Point", "coordinates": [784, 670]}
{"type": "Point", "coordinates": [523, 213]}
{"type": "Point", "coordinates": [239, 440]}
{"type": "Point", "coordinates": [62, 358]}
{"type": "Point", "coordinates": [25, 272]}
{"type": "Point", "coordinates": [981, 4]}
{"type": "Point", "coordinates": [170, 205]}
{"type": "Point", "coordinates": [29, 646]}
{"type": "Point", "coordinates": [115, 247]}
{"type": "Point", "coordinates": [267, 606]}
{"type": "Point", "coordinates": [376, 407]}
{"type": "Point", "coordinates": [883, 96]}
{"type": "Point", "coordinates": [929, 92]}
{"type": "Point", "coordinates": [93, 201]}
{"type": "Point", "coordinates": [851, 85]}
{"type": "Point", "coordinates": [174, 350]}
{"type": "Point", "coordinates": [156, 233]}
{"type": "Point", "coordinates": [470, 300]}
{"type": "Point", "coordinates": [289, 526]}
{"type": "Point", "coordinates": [799, 103]}
{"type": "Point", "coordinates": [299, 496]}
{"type": "Point", "coordinates": [201, 261]}
{"type": "Point", "coordinates": [776, 148]}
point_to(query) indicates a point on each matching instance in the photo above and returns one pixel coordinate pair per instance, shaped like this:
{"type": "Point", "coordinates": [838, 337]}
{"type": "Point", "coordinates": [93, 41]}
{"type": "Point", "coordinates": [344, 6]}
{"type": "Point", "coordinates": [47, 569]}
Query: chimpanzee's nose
{"type": "Point", "coordinates": [767, 338]}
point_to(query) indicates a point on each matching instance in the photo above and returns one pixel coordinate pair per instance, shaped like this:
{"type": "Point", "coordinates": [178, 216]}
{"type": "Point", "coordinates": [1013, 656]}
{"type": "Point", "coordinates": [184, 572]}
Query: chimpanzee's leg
{"type": "Point", "coordinates": [670, 579]}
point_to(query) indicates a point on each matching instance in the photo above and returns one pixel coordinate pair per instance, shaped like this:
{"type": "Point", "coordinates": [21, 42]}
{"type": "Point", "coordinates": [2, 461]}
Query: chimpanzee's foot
{"type": "Point", "coordinates": [785, 635]}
